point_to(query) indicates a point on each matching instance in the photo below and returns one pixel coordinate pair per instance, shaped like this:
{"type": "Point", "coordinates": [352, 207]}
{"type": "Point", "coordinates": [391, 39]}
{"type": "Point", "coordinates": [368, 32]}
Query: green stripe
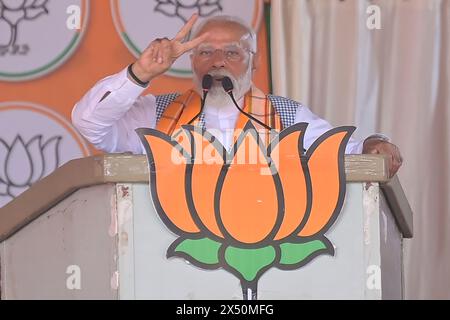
{"type": "Point", "coordinates": [131, 44]}
{"type": "Point", "coordinates": [47, 66]}
{"type": "Point", "coordinates": [267, 11]}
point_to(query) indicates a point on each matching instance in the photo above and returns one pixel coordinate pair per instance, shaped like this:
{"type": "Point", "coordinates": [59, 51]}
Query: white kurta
{"type": "Point", "coordinates": [110, 123]}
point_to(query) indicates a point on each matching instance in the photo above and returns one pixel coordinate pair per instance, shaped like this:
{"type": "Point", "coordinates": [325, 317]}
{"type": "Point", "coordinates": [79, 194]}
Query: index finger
{"type": "Point", "coordinates": [194, 42]}
{"type": "Point", "coordinates": [186, 28]}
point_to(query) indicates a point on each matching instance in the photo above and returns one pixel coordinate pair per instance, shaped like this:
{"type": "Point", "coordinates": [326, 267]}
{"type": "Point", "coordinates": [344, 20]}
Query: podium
{"type": "Point", "coordinates": [90, 231]}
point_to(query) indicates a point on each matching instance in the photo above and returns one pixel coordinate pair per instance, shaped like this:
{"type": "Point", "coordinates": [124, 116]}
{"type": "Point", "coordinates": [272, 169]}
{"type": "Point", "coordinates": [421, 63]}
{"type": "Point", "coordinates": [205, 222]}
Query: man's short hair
{"type": "Point", "coordinates": [251, 39]}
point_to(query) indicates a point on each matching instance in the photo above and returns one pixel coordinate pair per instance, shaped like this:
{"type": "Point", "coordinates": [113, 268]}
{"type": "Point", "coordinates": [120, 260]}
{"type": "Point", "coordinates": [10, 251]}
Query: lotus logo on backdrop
{"type": "Point", "coordinates": [139, 22]}
{"type": "Point", "coordinates": [185, 9]}
{"type": "Point", "coordinates": [28, 26]}
{"type": "Point", "coordinates": [14, 12]}
{"type": "Point", "coordinates": [34, 141]}
{"type": "Point", "coordinates": [38, 158]}
{"type": "Point", "coordinates": [231, 214]}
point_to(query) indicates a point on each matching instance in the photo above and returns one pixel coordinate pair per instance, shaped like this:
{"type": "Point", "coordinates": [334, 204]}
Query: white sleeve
{"type": "Point", "coordinates": [317, 127]}
{"type": "Point", "coordinates": [108, 114]}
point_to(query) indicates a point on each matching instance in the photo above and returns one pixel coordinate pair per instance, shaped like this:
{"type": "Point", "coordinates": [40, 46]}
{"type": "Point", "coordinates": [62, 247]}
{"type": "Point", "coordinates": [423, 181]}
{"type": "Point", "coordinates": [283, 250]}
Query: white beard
{"type": "Point", "coordinates": [217, 96]}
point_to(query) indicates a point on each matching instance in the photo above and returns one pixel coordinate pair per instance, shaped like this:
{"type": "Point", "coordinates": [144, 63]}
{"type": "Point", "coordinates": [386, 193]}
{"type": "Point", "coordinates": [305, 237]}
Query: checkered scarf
{"type": "Point", "coordinates": [184, 107]}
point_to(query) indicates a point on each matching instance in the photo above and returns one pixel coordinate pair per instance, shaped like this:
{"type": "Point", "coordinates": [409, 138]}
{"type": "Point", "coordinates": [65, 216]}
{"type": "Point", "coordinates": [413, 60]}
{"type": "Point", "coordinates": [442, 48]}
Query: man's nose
{"type": "Point", "coordinates": [219, 60]}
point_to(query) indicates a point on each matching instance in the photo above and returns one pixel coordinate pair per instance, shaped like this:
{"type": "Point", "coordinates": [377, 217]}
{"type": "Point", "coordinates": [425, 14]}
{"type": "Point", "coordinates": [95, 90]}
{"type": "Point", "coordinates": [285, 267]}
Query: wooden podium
{"type": "Point", "coordinates": [90, 231]}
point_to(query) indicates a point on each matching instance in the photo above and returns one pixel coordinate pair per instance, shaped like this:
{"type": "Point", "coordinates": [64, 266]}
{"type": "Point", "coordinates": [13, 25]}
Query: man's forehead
{"type": "Point", "coordinates": [229, 29]}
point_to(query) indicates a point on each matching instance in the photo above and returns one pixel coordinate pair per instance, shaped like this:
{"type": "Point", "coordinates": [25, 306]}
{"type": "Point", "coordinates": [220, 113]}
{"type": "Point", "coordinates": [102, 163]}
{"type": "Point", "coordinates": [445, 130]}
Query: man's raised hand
{"type": "Point", "coordinates": [159, 56]}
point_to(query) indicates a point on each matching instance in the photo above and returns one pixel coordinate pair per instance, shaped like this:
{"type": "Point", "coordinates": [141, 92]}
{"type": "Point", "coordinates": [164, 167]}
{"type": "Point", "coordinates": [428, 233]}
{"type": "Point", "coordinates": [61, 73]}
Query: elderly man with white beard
{"type": "Point", "coordinates": [221, 47]}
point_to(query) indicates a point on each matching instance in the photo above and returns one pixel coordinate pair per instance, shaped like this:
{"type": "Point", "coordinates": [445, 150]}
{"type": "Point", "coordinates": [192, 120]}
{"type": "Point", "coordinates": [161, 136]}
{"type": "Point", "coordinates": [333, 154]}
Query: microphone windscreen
{"type": "Point", "coordinates": [227, 84]}
{"type": "Point", "coordinates": [207, 82]}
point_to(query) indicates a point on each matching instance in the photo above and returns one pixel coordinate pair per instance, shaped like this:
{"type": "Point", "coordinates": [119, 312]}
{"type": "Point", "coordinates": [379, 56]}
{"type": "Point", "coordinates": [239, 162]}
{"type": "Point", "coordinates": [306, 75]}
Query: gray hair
{"type": "Point", "coordinates": [251, 34]}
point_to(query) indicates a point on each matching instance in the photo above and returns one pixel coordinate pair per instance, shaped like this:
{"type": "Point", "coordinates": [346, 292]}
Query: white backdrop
{"type": "Point", "coordinates": [393, 80]}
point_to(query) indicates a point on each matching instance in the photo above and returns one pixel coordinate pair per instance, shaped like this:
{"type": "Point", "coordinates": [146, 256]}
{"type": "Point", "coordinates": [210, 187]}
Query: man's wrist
{"type": "Point", "coordinates": [135, 78]}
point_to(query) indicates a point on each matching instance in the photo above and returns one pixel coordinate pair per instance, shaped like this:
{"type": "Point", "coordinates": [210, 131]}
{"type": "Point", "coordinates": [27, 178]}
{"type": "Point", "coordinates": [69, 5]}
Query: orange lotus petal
{"type": "Point", "coordinates": [182, 138]}
{"type": "Point", "coordinates": [205, 173]}
{"type": "Point", "coordinates": [286, 157]}
{"type": "Point", "coordinates": [248, 203]}
{"type": "Point", "coordinates": [169, 168]}
{"type": "Point", "coordinates": [326, 180]}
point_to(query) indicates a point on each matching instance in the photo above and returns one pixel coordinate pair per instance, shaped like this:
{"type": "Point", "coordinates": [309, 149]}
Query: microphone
{"type": "Point", "coordinates": [227, 85]}
{"type": "Point", "coordinates": [206, 85]}
{"type": "Point", "coordinates": [207, 82]}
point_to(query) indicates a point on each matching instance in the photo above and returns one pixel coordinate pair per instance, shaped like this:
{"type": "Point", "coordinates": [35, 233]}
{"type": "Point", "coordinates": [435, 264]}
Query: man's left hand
{"type": "Point", "coordinates": [377, 146]}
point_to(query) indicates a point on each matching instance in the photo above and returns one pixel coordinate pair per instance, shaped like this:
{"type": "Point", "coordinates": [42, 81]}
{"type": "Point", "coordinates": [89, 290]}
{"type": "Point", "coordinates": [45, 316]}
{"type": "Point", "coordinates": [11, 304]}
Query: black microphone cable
{"type": "Point", "coordinates": [227, 85]}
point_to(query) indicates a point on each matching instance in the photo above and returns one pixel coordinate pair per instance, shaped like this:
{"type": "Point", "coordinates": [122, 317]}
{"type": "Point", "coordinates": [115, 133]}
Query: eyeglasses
{"type": "Point", "coordinates": [232, 52]}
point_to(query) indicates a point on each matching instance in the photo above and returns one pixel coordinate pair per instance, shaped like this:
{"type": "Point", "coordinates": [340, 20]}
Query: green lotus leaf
{"type": "Point", "coordinates": [249, 262]}
{"type": "Point", "coordinates": [198, 251]}
{"type": "Point", "coordinates": [302, 253]}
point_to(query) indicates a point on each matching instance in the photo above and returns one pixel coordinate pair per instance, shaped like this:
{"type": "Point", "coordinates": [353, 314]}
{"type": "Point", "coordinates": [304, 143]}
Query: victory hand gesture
{"type": "Point", "coordinates": [159, 56]}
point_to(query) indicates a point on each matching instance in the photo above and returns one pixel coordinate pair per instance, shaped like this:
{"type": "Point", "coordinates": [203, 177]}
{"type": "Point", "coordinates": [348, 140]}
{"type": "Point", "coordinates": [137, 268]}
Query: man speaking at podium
{"type": "Point", "coordinates": [223, 55]}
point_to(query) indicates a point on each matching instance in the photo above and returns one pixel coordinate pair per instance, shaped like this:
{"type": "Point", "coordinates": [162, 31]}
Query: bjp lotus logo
{"type": "Point", "coordinates": [184, 9]}
{"type": "Point", "coordinates": [36, 159]}
{"type": "Point", "coordinates": [14, 11]}
{"type": "Point", "coordinates": [236, 216]}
